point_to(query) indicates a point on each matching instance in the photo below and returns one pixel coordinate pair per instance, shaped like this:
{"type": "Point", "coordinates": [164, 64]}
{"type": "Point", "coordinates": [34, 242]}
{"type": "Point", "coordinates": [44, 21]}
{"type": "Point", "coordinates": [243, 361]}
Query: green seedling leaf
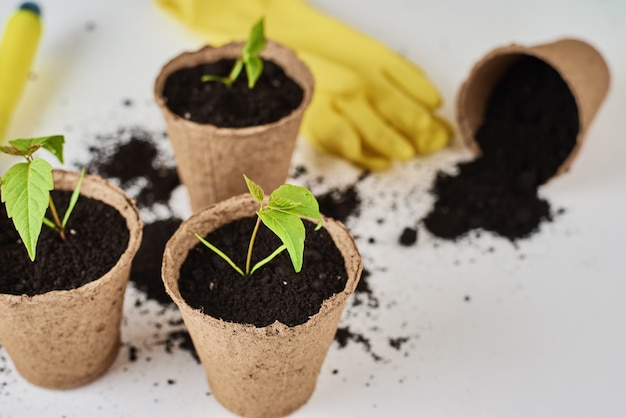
{"type": "Point", "coordinates": [256, 42]}
{"type": "Point", "coordinates": [282, 216]}
{"type": "Point", "coordinates": [249, 58]}
{"type": "Point", "coordinates": [296, 201]}
{"type": "Point", "coordinates": [11, 150]}
{"type": "Point", "coordinates": [47, 222]}
{"type": "Point", "coordinates": [236, 70]}
{"type": "Point", "coordinates": [281, 203]}
{"type": "Point", "coordinates": [254, 68]}
{"type": "Point", "coordinates": [26, 193]}
{"type": "Point", "coordinates": [255, 190]}
{"type": "Point", "coordinates": [73, 199]}
{"type": "Point", "coordinates": [220, 253]}
{"type": "Point", "coordinates": [289, 229]}
{"type": "Point", "coordinates": [268, 258]}
{"type": "Point", "coordinates": [27, 147]}
{"type": "Point", "coordinates": [54, 144]}
{"type": "Point", "coordinates": [218, 78]}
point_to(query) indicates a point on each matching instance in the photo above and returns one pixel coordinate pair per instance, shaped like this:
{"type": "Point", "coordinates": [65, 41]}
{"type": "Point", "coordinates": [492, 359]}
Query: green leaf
{"type": "Point", "coordinates": [268, 258]}
{"type": "Point", "coordinates": [218, 78]}
{"type": "Point", "coordinates": [235, 71]}
{"type": "Point", "coordinates": [47, 222]}
{"type": "Point", "coordinates": [289, 229]}
{"type": "Point", "coordinates": [27, 147]}
{"type": "Point", "coordinates": [281, 203]}
{"type": "Point", "coordinates": [26, 193]}
{"type": "Point", "coordinates": [254, 68]}
{"type": "Point", "coordinates": [73, 199]}
{"type": "Point", "coordinates": [256, 42]}
{"type": "Point", "coordinates": [11, 150]}
{"type": "Point", "coordinates": [255, 190]}
{"type": "Point", "coordinates": [54, 144]}
{"type": "Point", "coordinates": [302, 202]}
{"type": "Point", "coordinates": [220, 253]}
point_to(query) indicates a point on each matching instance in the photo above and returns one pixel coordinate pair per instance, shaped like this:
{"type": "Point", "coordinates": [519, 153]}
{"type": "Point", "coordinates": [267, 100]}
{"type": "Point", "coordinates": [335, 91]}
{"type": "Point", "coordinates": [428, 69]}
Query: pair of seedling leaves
{"type": "Point", "coordinates": [281, 214]}
{"type": "Point", "coordinates": [249, 59]}
{"type": "Point", "coordinates": [25, 190]}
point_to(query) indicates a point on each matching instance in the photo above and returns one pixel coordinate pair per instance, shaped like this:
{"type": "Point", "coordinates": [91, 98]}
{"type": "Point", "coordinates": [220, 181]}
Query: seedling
{"type": "Point", "coordinates": [281, 215]}
{"type": "Point", "coordinates": [25, 190]}
{"type": "Point", "coordinates": [249, 59]}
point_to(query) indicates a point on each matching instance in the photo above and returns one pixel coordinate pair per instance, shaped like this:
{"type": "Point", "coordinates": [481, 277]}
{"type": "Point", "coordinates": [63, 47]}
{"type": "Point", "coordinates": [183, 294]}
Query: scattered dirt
{"type": "Point", "coordinates": [133, 162]}
{"type": "Point", "coordinates": [341, 203]}
{"type": "Point", "coordinates": [146, 269]}
{"type": "Point", "coordinates": [408, 237]}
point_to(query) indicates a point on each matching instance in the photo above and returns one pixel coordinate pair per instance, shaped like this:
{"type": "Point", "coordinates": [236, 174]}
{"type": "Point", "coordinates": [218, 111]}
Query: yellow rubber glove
{"type": "Point", "coordinates": [17, 51]}
{"type": "Point", "coordinates": [370, 105]}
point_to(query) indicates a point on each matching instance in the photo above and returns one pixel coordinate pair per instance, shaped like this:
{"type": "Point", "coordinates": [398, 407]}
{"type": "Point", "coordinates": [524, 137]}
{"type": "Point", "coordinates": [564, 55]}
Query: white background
{"type": "Point", "coordinates": [544, 331]}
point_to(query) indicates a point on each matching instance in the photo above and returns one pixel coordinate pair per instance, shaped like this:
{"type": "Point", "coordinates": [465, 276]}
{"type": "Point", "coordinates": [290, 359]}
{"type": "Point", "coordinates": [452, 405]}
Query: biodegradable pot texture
{"type": "Point", "coordinates": [211, 160]}
{"type": "Point", "coordinates": [578, 63]}
{"type": "Point", "coordinates": [67, 338]}
{"type": "Point", "coordinates": [258, 372]}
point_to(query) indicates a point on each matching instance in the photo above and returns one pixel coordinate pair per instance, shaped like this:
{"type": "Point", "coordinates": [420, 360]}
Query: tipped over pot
{"type": "Point", "coordinates": [579, 64]}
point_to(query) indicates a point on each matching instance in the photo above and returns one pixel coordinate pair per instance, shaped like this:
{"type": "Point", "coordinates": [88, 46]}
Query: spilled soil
{"type": "Point", "coordinates": [529, 128]}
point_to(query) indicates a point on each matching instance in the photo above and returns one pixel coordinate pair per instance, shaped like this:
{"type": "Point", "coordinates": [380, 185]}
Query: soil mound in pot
{"type": "Point", "coordinates": [274, 292]}
{"type": "Point", "coordinates": [87, 254]}
{"type": "Point", "coordinates": [273, 97]}
{"type": "Point", "coordinates": [530, 127]}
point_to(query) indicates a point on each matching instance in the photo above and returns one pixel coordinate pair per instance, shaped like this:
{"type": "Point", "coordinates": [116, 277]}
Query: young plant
{"type": "Point", "coordinates": [25, 190]}
{"type": "Point", "coordinates": [249, 59]}
{"type": "Point", "coordinates": [281, 215]}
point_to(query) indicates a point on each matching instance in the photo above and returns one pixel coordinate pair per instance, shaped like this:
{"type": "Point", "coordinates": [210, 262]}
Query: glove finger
{"type": "Point", "coordinates": [412, 81]}
{"type": "Point", "coordinates": [305, 28]}
{"type": "Point", "coordinates": [212, 17]}
{"type": "Point", "coordinates": [330, 76]}
{"type": "Point", "coordinates": [379, 136]}
{"type": "Point", "coordinates": [436, 137]}
{"type": "Point", "coordinates": [407, 115]}
{"type": "Point", "coordinates": [331, 133]}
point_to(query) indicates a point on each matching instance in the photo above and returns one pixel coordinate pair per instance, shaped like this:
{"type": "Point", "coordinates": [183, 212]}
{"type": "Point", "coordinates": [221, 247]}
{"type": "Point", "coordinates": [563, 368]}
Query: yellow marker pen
{"type": "Point", "coordinates": [17, 52]}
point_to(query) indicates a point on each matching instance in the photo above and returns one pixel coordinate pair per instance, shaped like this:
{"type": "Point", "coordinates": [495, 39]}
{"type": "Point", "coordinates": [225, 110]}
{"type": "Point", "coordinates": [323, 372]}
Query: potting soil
{"type": "Point", "coordinates": [529, 129]}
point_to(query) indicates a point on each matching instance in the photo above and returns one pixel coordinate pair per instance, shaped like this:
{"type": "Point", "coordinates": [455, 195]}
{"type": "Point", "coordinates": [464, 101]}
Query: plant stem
{"type": "Point", "coordinates": [252, 238]}
{"type": "Point", "coordinates": [57, 220]}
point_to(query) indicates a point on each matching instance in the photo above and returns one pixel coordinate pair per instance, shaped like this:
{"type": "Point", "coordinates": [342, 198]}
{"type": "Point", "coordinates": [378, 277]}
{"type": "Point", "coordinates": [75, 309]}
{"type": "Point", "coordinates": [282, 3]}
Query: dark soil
{"type": "Point", "coordinates": [97, 236]}
{"type": "Point", "coordinates": [408, 237]}
{"type": "Point", "coordinates": [529, 129]}
{"type": "Point", "coordinates": [275, 292]}
{"type": "Point", "coordinates": [133, 161]}
{"type": "Point", "coordinates": [273, 97]}
{"type": "Point", "coordinates": [340, 204]}
{"type": "Point", "coordinates": [146, 268]}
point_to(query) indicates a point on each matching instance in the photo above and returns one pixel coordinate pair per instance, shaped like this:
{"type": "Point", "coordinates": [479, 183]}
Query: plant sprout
{"type": "Point", "coordinates": [281, 215]}
{"type": "Point", "coordinates": [25, 190]}
{"type": "Point", "coordinates": [249, 59]}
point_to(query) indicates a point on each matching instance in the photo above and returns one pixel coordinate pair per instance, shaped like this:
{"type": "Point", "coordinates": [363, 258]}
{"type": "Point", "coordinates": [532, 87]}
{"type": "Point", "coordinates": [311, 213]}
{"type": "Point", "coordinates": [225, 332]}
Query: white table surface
{"type": "Point", "coordinates": [544, 331]}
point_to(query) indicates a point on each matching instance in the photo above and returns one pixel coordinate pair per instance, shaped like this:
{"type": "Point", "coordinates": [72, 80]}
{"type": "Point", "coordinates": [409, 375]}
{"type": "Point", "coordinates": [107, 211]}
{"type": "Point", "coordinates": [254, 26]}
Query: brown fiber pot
{"type": "Point", "coordinates": [212, 160]}
{"type": "Point", "coordinates": [67, 338]}
{"type": "Point", "coordinates": [258, 372]}
{"type": "Point", "coordinates": [580, 65]}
